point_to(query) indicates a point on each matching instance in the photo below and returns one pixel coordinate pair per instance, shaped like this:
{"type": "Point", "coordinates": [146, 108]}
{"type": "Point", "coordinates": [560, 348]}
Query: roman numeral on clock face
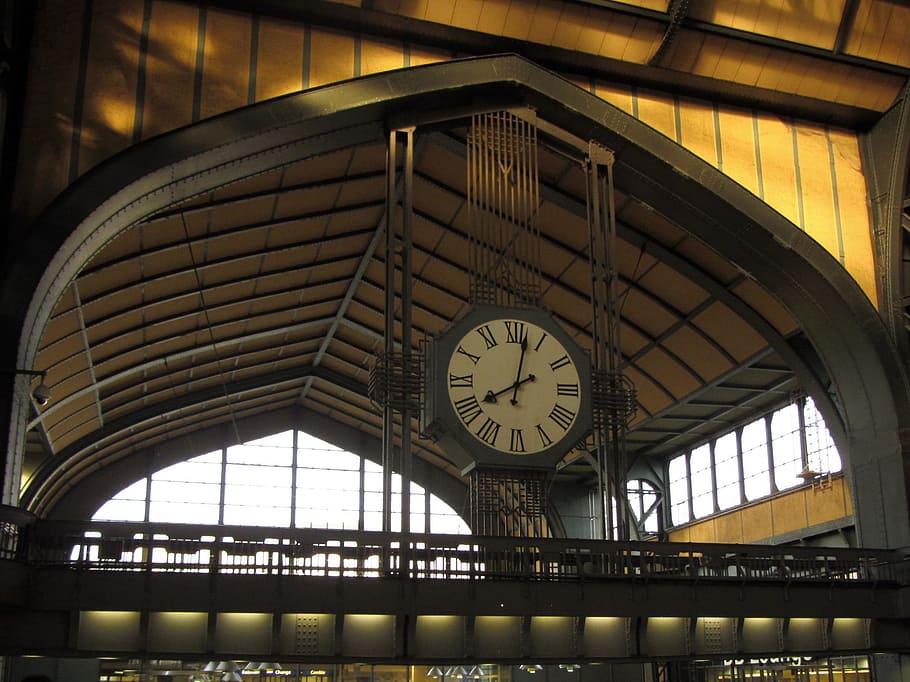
{"type": "Point", "coordinates": [567, 389]}
{"type": "Point", "coordinates": [488, 431]}
{"type": "Point", "coordinates": [487, 335]}
{"type": "Point", "coordinates": [473, 358]}
{"type": "Point", "coordinates": [468, 409]}
{"type": "Point", "coordinates": [515, 331]}
{"type": "Point", "coordinates": [560, 362]}
{"type": "Point", "coordinates": [542, 435]}
{"type": "Point", "coordinates": [562, 416]}
{"type": "Point", "coordinates": [466, 381]}
{"type": "Point", "coordinates": [517, 441]}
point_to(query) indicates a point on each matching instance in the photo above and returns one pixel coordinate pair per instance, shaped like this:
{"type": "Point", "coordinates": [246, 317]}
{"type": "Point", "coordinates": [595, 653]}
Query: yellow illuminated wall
{"type": "Point", "coordinates": [790, 511]}
{"type": "Point", "coordinates": [133, 70]}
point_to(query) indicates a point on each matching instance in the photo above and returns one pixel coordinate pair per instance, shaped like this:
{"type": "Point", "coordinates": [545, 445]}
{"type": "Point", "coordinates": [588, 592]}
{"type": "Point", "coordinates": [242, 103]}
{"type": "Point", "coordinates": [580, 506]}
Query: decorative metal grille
{"type": "Point", "coordinates": [615, 399]}
{"type": "Point", "coordinates": [397, 381]}
{"type": "Point", "coordinates": [503, 199]}
{"type": "Point", "coordinates": [509, 503]}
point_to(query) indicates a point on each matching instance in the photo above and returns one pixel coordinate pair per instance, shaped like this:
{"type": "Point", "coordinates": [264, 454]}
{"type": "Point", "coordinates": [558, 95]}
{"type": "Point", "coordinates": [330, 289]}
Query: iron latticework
{"type": "Point", "coordinates": [503, 198]}
{"type": "Point", "coordinates": [396, 380]}
{"type": "Point", "coordinates": [614, 399]}
{"type": "Point", "coordinates": [509, 503]}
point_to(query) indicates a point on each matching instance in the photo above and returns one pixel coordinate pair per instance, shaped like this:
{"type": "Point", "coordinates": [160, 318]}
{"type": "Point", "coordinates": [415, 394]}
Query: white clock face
{"type": "Point", "coordinates": [513, 386]}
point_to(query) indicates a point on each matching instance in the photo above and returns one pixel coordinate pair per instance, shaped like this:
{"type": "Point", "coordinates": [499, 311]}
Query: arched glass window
{"type": "Point", "coordinates": [290, 479]}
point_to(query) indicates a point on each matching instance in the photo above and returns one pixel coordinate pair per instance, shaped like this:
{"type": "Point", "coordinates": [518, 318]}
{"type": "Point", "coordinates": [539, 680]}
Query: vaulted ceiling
{"type": "Point", "coordinates": [266, 293]}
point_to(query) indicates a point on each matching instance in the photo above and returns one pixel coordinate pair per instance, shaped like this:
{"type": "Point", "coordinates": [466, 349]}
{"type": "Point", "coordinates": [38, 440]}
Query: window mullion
{"type": "Point", "coordinates": [691, 505]}
{"type": "Point", "coordinates": [769, 451]}
{"type": "Point", "coordinates": [712, 464]}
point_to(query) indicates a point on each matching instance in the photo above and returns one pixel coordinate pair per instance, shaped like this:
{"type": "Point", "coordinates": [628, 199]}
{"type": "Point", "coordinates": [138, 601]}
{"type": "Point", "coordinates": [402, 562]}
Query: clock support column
{"type": "Point", "coordinates": [614, 397]}
{"type": "Point", "coordinates": [396, 381]}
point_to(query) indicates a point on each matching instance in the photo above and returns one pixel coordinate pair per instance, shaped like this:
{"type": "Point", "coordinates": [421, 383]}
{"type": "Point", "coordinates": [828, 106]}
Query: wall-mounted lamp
{"type": "Point", "coordinates": [41, 394]}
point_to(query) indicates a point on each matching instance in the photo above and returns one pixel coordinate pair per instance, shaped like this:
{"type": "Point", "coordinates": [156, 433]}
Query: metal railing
{"type": "Point", "coordinates": [184, 548]}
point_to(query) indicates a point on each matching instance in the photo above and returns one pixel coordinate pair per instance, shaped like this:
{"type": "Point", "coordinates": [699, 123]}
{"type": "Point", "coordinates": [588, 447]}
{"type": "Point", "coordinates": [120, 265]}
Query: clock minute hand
{"type": "Point", "coordinates": [490, 397]}
{"type": "Point", "coordinates": [521, 359]}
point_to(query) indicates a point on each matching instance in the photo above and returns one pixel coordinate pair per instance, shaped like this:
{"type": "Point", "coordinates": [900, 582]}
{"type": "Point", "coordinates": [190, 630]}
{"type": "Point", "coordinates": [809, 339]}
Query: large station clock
{"type": "Point", "coordinates": [508, 387]}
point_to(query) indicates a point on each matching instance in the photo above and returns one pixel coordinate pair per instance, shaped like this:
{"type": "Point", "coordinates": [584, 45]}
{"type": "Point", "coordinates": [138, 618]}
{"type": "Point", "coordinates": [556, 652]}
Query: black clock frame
{"type": "Point", "coordinates": [440, 421]}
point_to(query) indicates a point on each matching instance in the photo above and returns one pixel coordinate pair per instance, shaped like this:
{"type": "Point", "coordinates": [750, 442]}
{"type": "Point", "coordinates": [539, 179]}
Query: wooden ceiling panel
{"type": "Point", "coordinates": [651, 396]}
{"type": "Point", "coordinates": [672, 375]}
{"type": "Point", "coordinates": [367, 158]}
{"type": "Point", "coordinates": [631, 39]}
{"type": "Point", "coordinates": [880, 32]}
{"type": "Point", "coordinates": [708, 261]}
{"type": "Point", "coordinates": [650, 223]}
{"type": "Point", "coordinates": [437, 200]}
{"type": "Point", "coordinates": [305, 201]}
{"type": "Point", "coordinates": [769, 308]}
{"type": "Point", "coordinates": [112, 305]}
{"type": "Point", "coordinates": [63, 332]}
{"type": "Point", "coordinates": [69, 375]}
{"type": "Point", "coordinates": [491, 18]}
{"type": "Point", "coordinates": [109, 279]}
{"type": "Point", "coordinates": [572, 20]}
{"type": "Point", "coordinates": [365, 316]}
{"type": "Point", "coordinates": [647, 313]}
{"type": "Point", "coordinates": [731, 331]}
{"type": "Point", "coordinates": [362, 190]}
{"type": "Point", "coordinates": [445, 167]}
{"type": "Point", "coordinates": [131, 351]}
{"type": "Point", "coordinates": [167, 232]}
{"type": "Point", "coordinates": [125, 245]}
{"type": "Point", "coordinates": [351, 402]}
{"type": "Point", "coordinates": [236, 244]}
{"type": "Point", "coordinates": [814, 22]}
{"type": "Point", "coordinates": [352, 356]}
{"type": "Point", "coordinates": [666, 283]}
{"type": "Point", "coordinates": [212, 274]}
{"type": "Point", "coordinates": [631, 340]}
{"type": "Point", "coordinates": [314, 169]}
{"type": "Point", "coordinates": [131, 320]}
{"type": "Point", "coordinates": [354, 221]}
{"type": "Point", "coordinates": [703, 357]}
{"type": "Point", "coordinates": [160, 262]}
{"type": "Point", "coordinates": [234, 214]}
{"type": "Point", "coordinates": [79, 425]}
{"type": "Point", "coordinates": [574, 274]}
{"type": "Point", "coordinates": [555, 260]}
{"type": "Point", "coordinates": [261, 182]}
{"type": "Point", "coordinates": [434, 308]}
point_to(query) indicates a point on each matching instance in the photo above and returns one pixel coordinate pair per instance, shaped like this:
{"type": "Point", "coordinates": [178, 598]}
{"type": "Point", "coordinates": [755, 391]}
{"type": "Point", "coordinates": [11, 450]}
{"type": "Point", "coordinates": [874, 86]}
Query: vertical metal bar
{"type": "Point", "coordinates": [294, 447]}
{"type": "Point", "coordinates": [388, 415]}
{"type": "Point", "coordinates": [598, 298]}
{"type": "Point", "coordinates": [406, 345]}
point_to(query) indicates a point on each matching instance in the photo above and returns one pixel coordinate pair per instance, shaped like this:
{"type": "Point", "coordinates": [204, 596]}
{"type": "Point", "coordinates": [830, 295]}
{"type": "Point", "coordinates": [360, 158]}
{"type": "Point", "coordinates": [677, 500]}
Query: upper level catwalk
{"type": "Point", "coordinates": [104, 587]}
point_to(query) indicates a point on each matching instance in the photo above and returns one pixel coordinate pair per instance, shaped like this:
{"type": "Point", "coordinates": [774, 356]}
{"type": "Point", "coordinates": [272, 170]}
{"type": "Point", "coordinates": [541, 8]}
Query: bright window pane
{"type": "Point", "coordinates": [700, 471]}
{"type": "Point", "coordinates": [785, 447]}
{"type": "Point", "coordinates": [822, 454]}
{"type": "Point", "coordinates": [757, 478]}
{"type": "Point", "coordinates": [679, 491]}
{"type": "Point", "coordinates": [641, 496]}
{"type": "Point", "coordinates": [121, 510]}
{"type": "Point", "coordinates": [726, 469]}
{"type": "Point", "coordinates": [258, 480]}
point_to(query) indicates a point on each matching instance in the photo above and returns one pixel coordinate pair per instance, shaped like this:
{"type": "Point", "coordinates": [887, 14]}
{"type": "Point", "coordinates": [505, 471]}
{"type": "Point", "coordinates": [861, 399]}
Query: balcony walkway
{"type": "Point", "coordinates": [101, 588]}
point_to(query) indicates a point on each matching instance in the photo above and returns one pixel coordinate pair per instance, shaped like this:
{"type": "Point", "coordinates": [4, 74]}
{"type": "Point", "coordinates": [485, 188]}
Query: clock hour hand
{"type": "Point", "coordinates": [491, 397]}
